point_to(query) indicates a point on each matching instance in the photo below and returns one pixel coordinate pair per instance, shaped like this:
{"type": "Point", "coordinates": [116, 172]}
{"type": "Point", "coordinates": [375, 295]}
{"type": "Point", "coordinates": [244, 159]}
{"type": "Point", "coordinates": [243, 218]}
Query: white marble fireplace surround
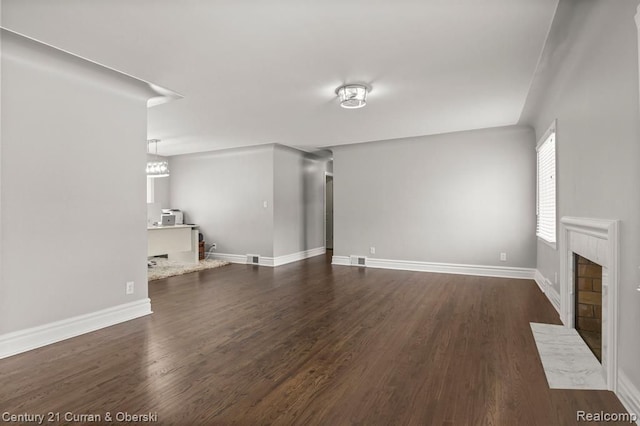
{"type": "Point", "coordinates": [596, 240]}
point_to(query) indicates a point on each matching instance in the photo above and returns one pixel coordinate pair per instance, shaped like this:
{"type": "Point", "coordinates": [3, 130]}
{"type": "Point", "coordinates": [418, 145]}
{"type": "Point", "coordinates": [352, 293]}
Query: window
{"type": "Point", "coordinates": [546, 188]}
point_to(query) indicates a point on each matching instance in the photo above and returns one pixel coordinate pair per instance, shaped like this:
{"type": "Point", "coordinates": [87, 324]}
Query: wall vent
{"type": "Point", "coordinates": [253, 259]}
{"type": "Point", "coordinates": [358, 260]}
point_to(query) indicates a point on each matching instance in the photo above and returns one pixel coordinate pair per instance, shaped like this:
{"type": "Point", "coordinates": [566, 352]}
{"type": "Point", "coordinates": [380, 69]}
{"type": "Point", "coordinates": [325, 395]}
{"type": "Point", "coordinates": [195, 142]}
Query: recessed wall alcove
{"type": "Point", "coordinates": [588, 290]}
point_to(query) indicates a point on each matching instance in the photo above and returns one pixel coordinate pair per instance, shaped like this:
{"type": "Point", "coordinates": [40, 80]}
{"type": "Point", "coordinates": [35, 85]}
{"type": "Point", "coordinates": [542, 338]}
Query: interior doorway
{"type": "Point", "coordinates": [328, 216]}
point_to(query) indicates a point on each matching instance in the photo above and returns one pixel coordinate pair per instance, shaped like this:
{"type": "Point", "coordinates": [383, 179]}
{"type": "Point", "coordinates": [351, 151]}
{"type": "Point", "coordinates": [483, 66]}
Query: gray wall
{"type": "Point", "coordinates": [455, 198]}
{"type": "Point", "coordinates": [72, 186]}
{"type": "Point", "coordinates": [591, 87]}
{"type": "Point", "coordinates": [298, 201]}
{"type": "Point", "coordinates": [224, 192]}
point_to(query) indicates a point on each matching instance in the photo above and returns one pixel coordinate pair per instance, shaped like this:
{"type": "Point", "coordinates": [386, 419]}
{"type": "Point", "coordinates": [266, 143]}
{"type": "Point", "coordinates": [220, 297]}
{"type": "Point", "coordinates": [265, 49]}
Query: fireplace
{"type": "Point", "coordinates": [596, 241]}
{"type": "Point", "coordinates": [588, 291]}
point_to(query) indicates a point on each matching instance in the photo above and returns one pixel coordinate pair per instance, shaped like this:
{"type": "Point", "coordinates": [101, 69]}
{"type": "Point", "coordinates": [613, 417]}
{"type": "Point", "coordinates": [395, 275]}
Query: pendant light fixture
{"type": "Point", "coordinates": [352, 95]}
{"type": "Point", "coordinates": [156, 168]}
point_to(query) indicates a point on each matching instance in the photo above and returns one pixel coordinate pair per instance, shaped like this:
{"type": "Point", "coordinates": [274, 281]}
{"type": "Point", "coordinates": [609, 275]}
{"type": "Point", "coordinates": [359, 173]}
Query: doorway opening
{"type": "Point", "coordinates": [328, 216]}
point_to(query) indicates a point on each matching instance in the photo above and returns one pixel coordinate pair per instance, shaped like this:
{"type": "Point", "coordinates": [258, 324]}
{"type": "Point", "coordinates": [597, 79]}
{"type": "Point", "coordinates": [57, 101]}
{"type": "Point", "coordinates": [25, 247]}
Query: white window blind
{"type": "Point", "coordinates": [546, 199]}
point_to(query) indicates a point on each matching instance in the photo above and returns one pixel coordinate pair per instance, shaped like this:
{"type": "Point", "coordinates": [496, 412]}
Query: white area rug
{"type": "Point", "coordinates": [568, 363]}
{"type": "Point", "coordinates": [166, 268]}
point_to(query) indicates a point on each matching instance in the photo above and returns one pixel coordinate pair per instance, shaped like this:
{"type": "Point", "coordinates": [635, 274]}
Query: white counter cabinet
{"type": "Point", "coordinates": [180, 242]}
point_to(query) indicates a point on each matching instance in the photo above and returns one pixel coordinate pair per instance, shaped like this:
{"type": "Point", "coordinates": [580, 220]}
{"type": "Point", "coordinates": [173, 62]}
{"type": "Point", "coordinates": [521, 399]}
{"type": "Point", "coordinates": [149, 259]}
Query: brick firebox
{"type": "Point", "coordinates": [589, 303]}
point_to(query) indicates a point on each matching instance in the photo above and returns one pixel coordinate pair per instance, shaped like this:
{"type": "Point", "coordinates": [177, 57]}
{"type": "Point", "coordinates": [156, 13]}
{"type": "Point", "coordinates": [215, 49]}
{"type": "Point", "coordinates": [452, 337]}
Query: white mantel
{"type": "Point", "coordinates": [596, 240]}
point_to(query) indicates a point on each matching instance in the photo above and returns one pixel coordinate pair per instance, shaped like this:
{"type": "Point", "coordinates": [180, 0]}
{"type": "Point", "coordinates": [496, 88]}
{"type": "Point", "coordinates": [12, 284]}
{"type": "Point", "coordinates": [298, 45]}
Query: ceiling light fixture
{"type": "Point", "coordinates": [157, 168]}
{"type": "Point", "coordinates": [352, 95]}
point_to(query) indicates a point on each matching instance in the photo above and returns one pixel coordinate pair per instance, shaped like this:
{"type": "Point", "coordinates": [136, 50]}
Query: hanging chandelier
{"type": "Point", "coordinates": [157, 167]}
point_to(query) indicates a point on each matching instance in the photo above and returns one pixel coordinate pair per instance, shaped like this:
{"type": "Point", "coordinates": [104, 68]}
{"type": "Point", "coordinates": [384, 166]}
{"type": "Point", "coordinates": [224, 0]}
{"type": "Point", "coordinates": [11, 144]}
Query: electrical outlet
{"type": "Point", "coordinates": [372, 250]}
{"type": "Point", "coordinates": [503, 257]}
{"type": "Point", "coordinates": [130, 287]}
{"type": "Point", "coordinates": [213, 246]}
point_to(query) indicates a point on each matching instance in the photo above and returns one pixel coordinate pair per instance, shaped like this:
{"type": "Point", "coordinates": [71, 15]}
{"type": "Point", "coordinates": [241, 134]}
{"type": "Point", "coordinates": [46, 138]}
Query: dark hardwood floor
{"type": "Point", "coordinates": [308, 343]}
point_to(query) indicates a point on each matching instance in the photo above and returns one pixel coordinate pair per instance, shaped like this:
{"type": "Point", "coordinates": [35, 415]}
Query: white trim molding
{"type": "Point", "coordinates": [553, 296]}
{"type": "Point", "coordinates": [598, 241]}
{"type": "Point", "coordinates": [272, 261]}
{"type": "Point", "coordinates": [629, 395]}
{"type": "Point", "coordinates": [267, 261]}
{"type": "Point", "coordinates": [341, 260]}
{"type": "Point", "coordinates": [35, 337]}
{"type": "Point", "coordinates": [443, 268]}
{"type": "Point", "coordinates": [294, 257]}
{"type": "Point", "coordinates": [232, 258]}
{"type": "Point", "coordinates": [541, 281]}
{"type": "Point", "coordinates": [547, 288]}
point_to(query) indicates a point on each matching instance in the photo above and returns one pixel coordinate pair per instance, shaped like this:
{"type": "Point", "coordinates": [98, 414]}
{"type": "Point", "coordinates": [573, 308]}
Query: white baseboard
{"type": "Point", "coordinates": [554, 297]}
{"type": "Point", "coordinates": [341, 260]}
{"type": "Point", "coordinates": [443, 268]}
{"type": "Point", "coordinates": [267, 261]}
{"type": "Point", "coordinates": [547, 288]}
{"type": "Point", "coordinates": [272, 261]}
{"type": "Point", "coordinates": [232, 258]}
{"type": "Point", "coordinates": [294, 257]}
{"type": "Point", "coordinates": [35, 337]}
{"type": "Point", "coordinates": [629, 395]}
{"type": "Point", "coordinates": [541, 281]}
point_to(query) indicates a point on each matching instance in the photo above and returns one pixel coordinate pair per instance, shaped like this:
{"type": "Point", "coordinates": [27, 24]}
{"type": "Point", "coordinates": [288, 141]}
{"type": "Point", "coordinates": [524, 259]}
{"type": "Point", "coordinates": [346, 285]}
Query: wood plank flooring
{"type": "Point", "coordinates": [307, 344]}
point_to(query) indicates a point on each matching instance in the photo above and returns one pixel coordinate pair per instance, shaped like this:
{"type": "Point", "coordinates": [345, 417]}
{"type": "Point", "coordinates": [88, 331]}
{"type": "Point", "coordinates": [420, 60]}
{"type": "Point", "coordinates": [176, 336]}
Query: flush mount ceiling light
{"type": "Point", "coordinates": [156, 168]}
{"type": "Point", "coordinates": [352, 95]}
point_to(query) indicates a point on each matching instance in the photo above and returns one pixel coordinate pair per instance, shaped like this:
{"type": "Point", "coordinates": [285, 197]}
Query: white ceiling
{"type": "Point", "coordinates": [265, 72]}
